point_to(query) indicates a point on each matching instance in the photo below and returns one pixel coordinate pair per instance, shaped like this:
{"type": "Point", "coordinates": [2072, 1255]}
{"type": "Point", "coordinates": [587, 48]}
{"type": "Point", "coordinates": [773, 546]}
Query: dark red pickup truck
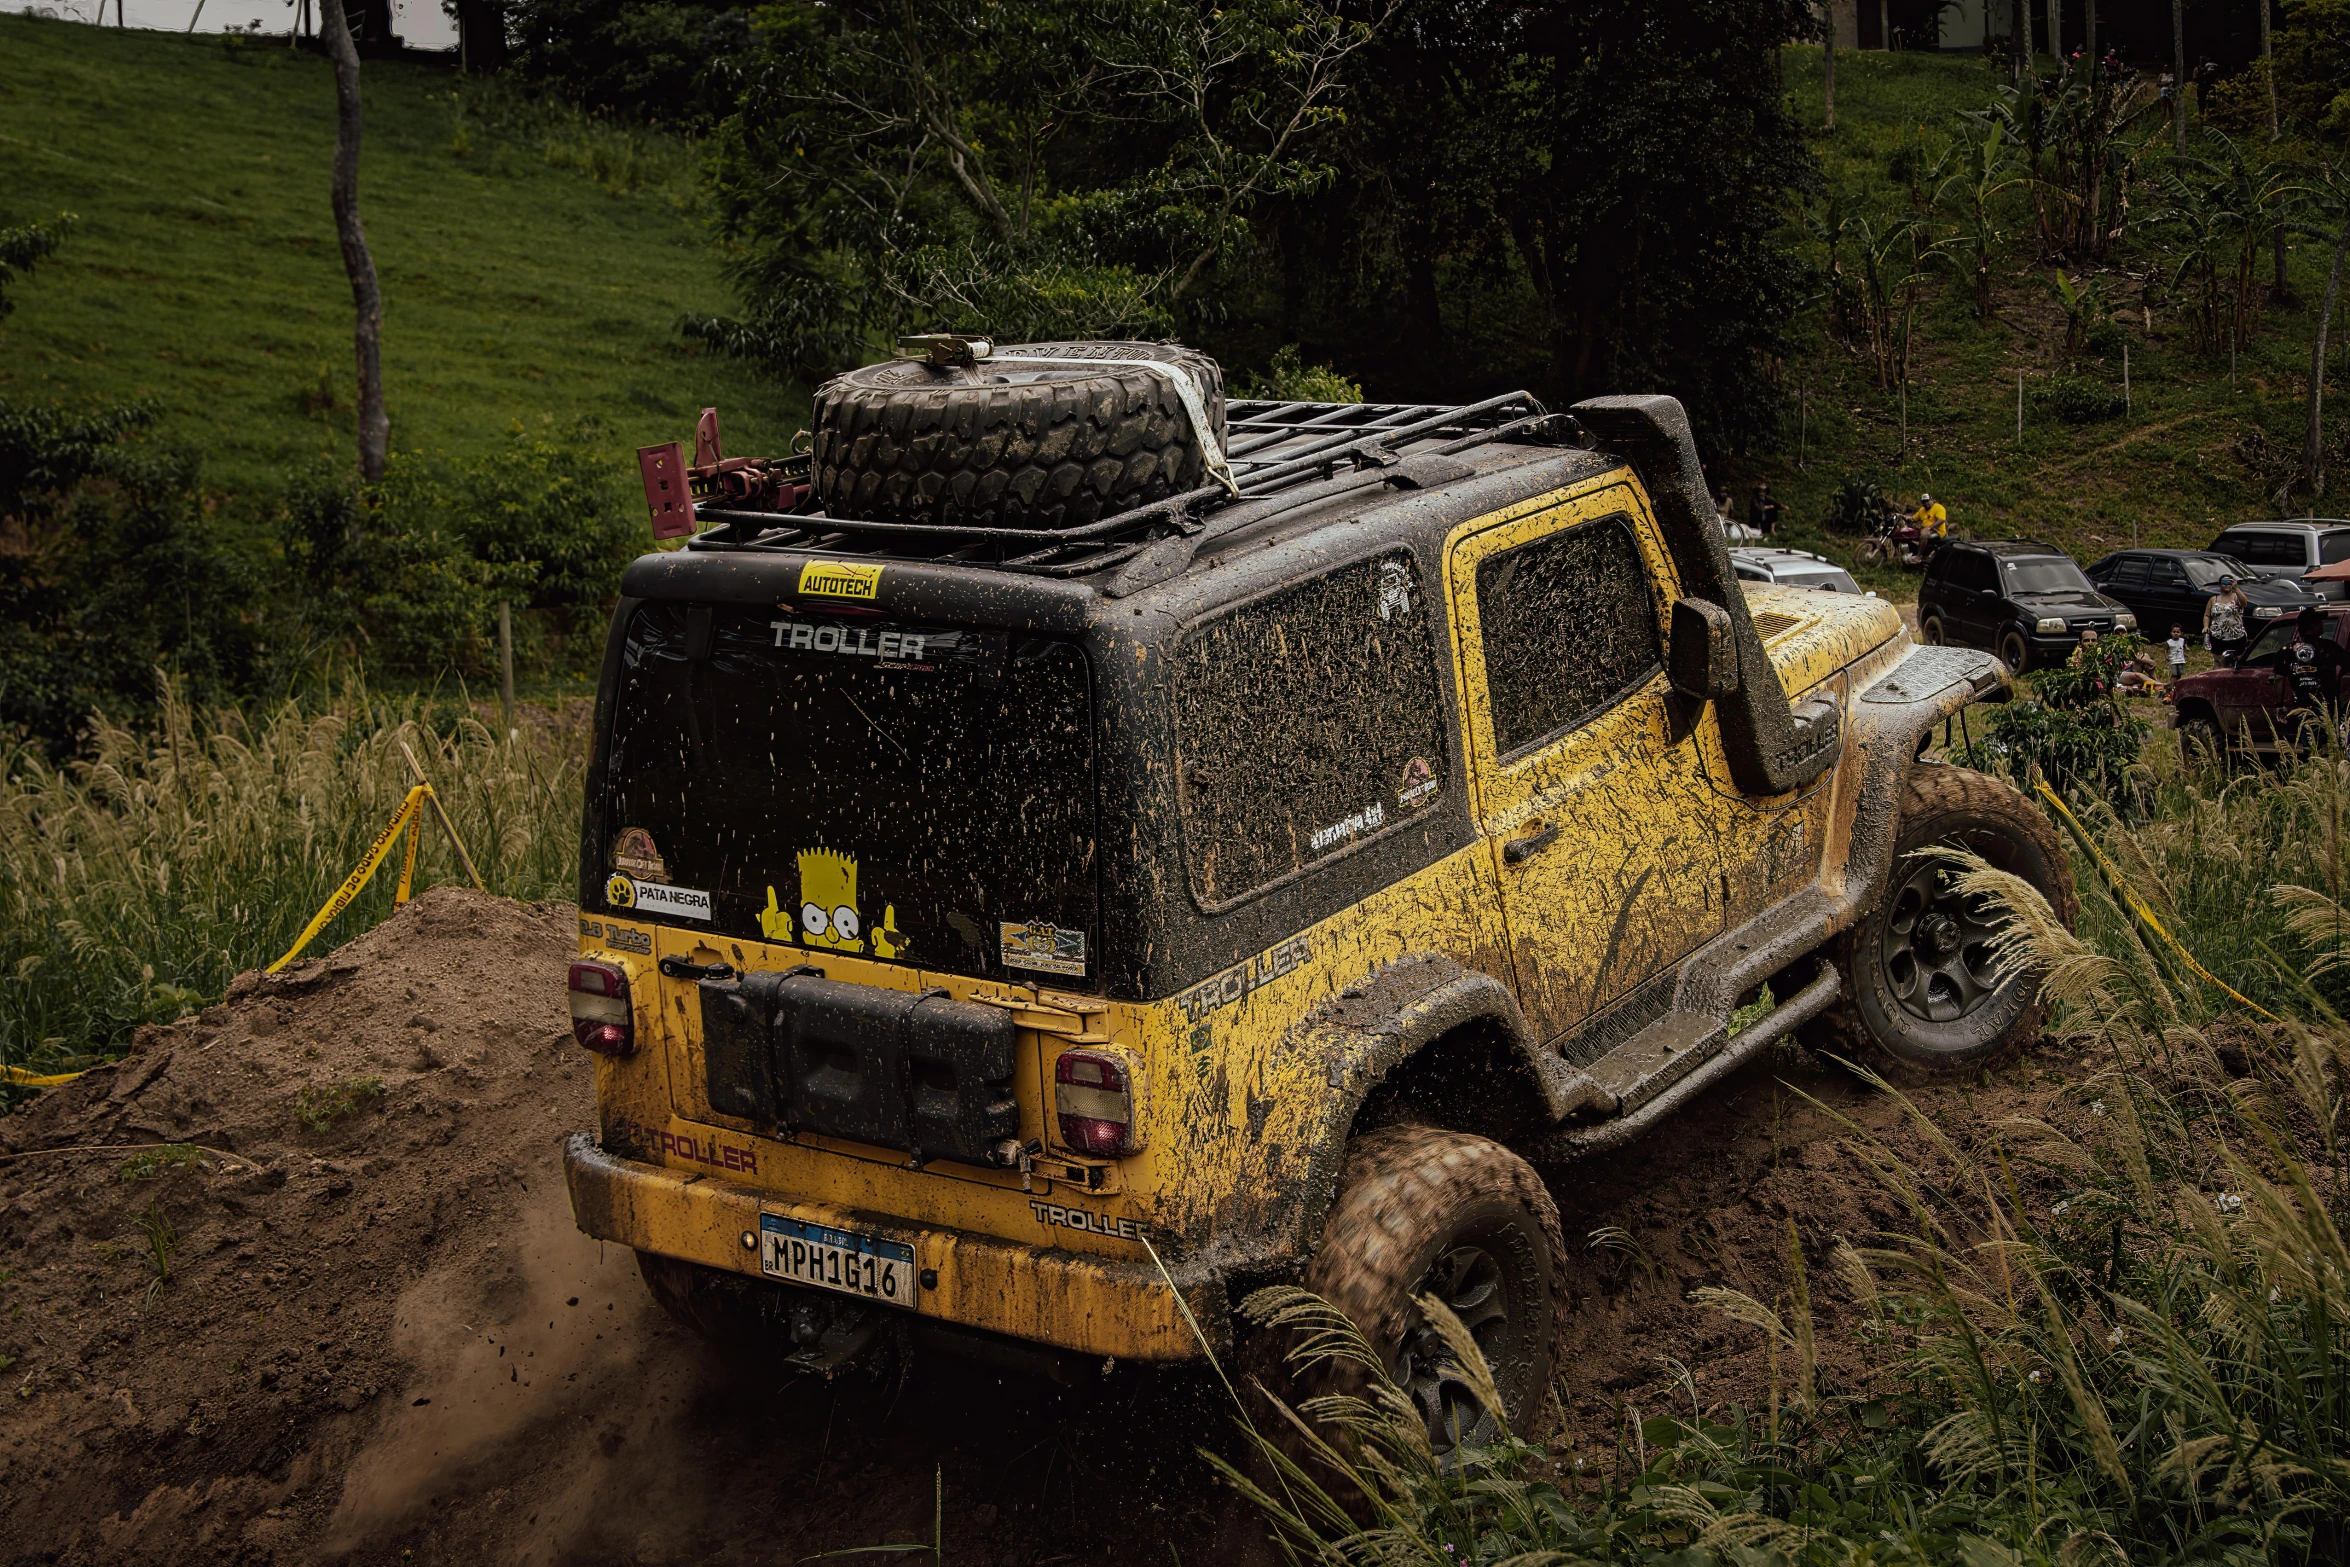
{"type": "Point", "coordinates": [2246, 705]}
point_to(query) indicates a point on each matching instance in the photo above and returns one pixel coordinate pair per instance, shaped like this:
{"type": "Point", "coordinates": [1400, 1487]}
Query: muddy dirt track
{"type": "Point", "coordinates": [383, 1341]}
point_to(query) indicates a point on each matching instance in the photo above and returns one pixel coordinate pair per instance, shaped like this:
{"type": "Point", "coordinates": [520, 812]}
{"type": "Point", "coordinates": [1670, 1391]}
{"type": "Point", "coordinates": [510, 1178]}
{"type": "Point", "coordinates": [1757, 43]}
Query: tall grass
{"type": "Point", "coordinates": [2116, 1332]}
{"type": "Point", "coordinates": [136, 882]}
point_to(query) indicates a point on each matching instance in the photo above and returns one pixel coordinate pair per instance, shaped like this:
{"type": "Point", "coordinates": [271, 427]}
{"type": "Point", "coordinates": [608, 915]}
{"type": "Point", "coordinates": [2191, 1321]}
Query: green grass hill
{"type": "Point", "coordinates": [533, 263]}
{"type": "Point", "coordinates": [2197, 448]}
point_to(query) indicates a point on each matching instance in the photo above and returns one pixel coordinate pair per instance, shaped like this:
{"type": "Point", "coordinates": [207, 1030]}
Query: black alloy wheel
{"type": "Point", "coordinates": [1937, 945]}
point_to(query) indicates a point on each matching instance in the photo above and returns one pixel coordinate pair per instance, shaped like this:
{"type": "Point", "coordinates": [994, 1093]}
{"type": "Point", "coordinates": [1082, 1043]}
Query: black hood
{"type": "Point", "coordinates": [2068, 602]}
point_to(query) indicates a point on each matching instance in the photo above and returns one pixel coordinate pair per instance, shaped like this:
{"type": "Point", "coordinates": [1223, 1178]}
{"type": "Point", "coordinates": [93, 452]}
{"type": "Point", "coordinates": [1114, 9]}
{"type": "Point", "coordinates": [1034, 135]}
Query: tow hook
{"type": "Point", "coordinates": [1013, 1154]}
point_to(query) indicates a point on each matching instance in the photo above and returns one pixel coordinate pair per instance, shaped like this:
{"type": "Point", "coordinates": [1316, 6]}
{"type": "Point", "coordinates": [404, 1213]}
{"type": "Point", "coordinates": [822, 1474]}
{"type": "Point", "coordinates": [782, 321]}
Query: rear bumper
{"type": "Point", "coordinates": [1043, 1295]}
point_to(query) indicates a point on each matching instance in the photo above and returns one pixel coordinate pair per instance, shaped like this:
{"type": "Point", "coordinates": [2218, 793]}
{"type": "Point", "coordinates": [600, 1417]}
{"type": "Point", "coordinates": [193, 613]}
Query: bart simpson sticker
{"type": "Point", "coordinates": [828, 909]}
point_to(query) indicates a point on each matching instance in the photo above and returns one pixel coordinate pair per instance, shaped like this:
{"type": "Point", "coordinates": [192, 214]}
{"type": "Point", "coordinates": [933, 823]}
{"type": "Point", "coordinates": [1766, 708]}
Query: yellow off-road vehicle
{"type": "Point", "coordinates": [1083, 845]}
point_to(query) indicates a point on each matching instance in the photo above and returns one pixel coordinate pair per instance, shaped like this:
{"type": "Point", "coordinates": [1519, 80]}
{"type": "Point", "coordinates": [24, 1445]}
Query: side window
{"type": "Point", "coordinates": [1569, 624]}
{"type": "Point", "coordinates": [1973, 572]}
{"type": "Point", "coordinates": [2264, 549]}
{"type": "Point", "coordinates": [2130, 573]}
{"type": "Point", "coordinates": [2168, 574]}
{"type": "Point", "coordinates": [1306, 723]}
{"type": "Point", "coordinates": [2333, 548]}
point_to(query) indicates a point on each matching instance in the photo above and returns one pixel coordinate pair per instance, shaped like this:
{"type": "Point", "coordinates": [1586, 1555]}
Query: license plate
{"type": "Point", "coordinates": [825, 1258]}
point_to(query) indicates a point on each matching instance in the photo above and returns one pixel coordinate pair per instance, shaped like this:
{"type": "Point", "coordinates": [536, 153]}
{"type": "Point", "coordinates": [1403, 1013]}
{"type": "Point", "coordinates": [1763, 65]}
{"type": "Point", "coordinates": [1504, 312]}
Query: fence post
{"type": "Point", "coordinates": [2019, 408]}
{"type": "Point", "coordinates": [506, 664]}
{"type": "Point", "coordinates": [2125, 377]}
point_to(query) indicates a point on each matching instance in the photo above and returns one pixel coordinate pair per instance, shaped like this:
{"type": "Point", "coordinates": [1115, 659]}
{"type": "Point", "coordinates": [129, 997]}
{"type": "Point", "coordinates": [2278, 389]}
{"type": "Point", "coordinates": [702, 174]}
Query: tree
{"type": "Point", "coordinates": [375, 427]}
{"type": "Point", "coordinates": [2313, 472]}
{"type": "Point", "coordinates": [25, 247]}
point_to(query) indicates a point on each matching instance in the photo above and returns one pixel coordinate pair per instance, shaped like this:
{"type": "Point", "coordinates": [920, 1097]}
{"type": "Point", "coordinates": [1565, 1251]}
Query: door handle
{"type": "Point", "coordinates": [1519, 850]}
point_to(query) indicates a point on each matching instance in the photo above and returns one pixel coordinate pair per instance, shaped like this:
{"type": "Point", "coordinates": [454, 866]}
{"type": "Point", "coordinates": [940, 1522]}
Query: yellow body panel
{"type": "Point", "coordinates": [1660, 853]}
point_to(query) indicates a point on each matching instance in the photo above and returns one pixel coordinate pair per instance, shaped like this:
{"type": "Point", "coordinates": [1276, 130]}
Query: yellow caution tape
{"type": "Point", "coordinates": [408, 816]}
{"type": "Point", "coordinates": [17, 1074]}
{"type": "Point", "coordinates": [2137, 905]}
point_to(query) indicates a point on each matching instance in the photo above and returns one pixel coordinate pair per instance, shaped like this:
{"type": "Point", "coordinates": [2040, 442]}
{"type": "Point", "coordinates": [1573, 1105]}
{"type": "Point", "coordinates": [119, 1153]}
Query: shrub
{"type": "Point", "coordinates": [2077, 400]}
{"type": "Point", "coordinates": [2072, 728]}
{"type": "Point", "coordinates": [1290, 379]}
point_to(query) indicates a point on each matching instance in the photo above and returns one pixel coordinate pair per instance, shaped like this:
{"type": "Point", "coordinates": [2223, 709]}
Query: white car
{"type": "Point", "coordinates": [1791, 569]}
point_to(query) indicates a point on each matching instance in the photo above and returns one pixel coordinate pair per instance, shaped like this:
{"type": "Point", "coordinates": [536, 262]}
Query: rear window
{"type": "Point", "coordinates": [917, 793]}
{"type": "Point", "coordinates": [1306, 724]}
{"type": "Point", "coordinates": [2258, 548]}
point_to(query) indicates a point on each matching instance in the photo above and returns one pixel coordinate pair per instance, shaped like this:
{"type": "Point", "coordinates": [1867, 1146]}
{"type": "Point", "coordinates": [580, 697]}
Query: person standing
{"type": "Point", "coordinates": [2223, 622]}
{"type": "Point", "coordinates": [2177, 647]}
{"type": "Point", "coordinates": [1762, 513]}
{"type": "Point", "coordinates": [2312, 667]}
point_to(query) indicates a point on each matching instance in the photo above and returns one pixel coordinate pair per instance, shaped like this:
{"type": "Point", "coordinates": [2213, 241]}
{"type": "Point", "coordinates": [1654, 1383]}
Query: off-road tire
{"type": "Point", "coordinates": [2201, 733]}
{"type": "Point", "coordinates": [999, 445]}
{"type": "Point", "coordinates": [1408, 1198]}
{"type": "Point", "coordinates": [2014, 651]}
{"type": "Point", "coordinates": [1940, 805]}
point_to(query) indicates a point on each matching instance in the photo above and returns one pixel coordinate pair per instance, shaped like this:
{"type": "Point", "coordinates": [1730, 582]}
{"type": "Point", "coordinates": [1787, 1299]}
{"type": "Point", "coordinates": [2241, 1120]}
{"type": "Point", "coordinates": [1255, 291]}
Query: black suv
{"type": "Point", "coordinates": [2166, 588]}
{"type": "Point", "coordinates": [2027, 602]}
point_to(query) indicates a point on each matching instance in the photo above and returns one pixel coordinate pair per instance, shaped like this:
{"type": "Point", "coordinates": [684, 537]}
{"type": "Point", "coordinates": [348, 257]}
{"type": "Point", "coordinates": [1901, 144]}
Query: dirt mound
{"type": "Point", "coordinates": [381, 1338]}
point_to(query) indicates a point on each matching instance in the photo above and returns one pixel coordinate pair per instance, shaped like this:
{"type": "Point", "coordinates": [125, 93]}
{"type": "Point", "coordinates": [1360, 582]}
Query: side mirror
{"type": "Point", "coordinates": [1702, 660]}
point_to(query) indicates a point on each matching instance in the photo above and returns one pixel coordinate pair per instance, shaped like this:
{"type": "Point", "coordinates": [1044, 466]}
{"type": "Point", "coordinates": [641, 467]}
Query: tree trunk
{"type": "Point", "coordinates": [2178, 76]}
{"type": "Point", "coordinates": [481, 35]}
{"type": "Point", "coordinates": [2056, 32]}
{"type": "Point", "coordinates": [2313, 450]}
{"type": "Point", "coordinates": [2268, 67]}
{"type": "Point", "coordinates": [375, 426]}
{"type": "Point", "coordinates": [1828, 69]}
{"type": "Point", "coordinates": [2091, 45]}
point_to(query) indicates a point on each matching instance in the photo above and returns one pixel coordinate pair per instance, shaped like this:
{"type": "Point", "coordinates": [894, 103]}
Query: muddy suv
{"type": "Point", "coordinates": [1101, 851]}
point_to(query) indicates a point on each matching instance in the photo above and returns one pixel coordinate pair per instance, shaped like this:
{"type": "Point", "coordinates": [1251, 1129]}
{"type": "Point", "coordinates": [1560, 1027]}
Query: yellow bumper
{"type": "Point", "coordinates": [1041, 1294]}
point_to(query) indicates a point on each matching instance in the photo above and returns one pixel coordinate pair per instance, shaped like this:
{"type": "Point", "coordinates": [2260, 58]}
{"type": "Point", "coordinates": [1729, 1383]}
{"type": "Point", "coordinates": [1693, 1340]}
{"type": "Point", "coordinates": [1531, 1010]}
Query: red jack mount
{"type": "Point", "coordinates": [672, 489]}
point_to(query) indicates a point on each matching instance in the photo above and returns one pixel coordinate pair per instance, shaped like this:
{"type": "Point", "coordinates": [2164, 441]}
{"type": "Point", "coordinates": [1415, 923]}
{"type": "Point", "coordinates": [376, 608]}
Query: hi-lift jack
{"type": "Point", "coordinates": [672, 489]}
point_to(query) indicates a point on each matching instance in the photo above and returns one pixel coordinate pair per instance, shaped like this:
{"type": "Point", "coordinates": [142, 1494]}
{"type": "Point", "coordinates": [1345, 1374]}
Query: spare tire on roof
{"type": "Point", "coordinates": [1002, 443]}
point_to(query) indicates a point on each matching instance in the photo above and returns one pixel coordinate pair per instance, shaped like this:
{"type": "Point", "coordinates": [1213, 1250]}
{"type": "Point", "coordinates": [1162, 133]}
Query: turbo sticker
{"type": "Point", "coordinates": [839, 580]}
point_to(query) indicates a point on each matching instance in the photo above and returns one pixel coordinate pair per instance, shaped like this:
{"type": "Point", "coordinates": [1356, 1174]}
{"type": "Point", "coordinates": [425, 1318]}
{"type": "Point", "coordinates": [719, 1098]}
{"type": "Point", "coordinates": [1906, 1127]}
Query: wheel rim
{"type": "Point", "coordinates": [1472, 1284]}
{"type": "Point", "coordinates": [2012, 649]}
{"type": "Point", "coordinates": [1933, 633]}
{"type": "Point", "coordinates": [1936, 950]}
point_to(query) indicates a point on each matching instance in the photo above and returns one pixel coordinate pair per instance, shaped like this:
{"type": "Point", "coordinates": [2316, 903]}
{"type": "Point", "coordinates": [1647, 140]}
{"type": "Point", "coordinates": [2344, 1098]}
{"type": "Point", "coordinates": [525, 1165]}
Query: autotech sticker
{"type": "Point", "coordinates": [1043, 946]}
{"type": "Point", "coordinates": [1212, 995]}
{"type": "Point", "coordinates": [839, 580]}
{"type": "Point", "coordinates": [652, 897]}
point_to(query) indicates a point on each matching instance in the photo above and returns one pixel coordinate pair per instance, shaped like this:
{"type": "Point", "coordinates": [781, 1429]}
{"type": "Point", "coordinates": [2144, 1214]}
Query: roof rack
{"type": "Point", "coordinates": [1302, 452]}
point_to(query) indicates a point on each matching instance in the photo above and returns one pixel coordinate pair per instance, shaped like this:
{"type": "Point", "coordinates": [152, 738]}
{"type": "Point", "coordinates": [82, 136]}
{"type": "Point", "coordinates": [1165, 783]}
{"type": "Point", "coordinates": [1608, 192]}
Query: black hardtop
{"type": "Point", "coordinates": [2012, 549]}
{"type": "Point", "coordinates": [1255, 546]}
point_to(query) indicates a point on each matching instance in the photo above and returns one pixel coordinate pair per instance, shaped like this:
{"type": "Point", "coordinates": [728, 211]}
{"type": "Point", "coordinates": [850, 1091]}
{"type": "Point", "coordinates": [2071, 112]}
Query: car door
{"type": "Point", "coordinates": [2250, 696]}
{"type": "Point", "coordinates": [2126, 580]}
{"type": "Point", "coordinates": [1585, 773]}
{"type": "Point", "coordinates": [2172, 599]}
{"type": "Point", "coordinates": [1972, 598]}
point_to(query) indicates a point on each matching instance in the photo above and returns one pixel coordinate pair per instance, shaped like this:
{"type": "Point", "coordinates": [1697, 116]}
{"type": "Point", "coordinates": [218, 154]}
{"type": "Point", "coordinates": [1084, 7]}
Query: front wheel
{"type": "Point", "coordinates": [1928, 994]}
{"type": "Point", "coordinates": [2014, 651]}
{"type": "Point", "coordinates": [1423, 1211]}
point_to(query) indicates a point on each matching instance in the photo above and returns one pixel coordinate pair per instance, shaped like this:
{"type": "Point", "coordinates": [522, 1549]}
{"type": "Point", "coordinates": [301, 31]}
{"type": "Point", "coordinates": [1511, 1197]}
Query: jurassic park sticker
{"type": "Point", "coordinates": [635, 853]}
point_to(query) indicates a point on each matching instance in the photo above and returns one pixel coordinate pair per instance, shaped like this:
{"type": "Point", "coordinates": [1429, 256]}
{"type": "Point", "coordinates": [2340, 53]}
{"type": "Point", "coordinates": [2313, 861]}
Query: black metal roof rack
{"type": "Point", "coordinates": [1274, 448]}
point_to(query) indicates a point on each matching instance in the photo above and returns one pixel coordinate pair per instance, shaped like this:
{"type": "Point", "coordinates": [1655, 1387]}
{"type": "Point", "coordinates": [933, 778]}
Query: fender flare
{"type": "Point", "coordinates": [1384, 1019]}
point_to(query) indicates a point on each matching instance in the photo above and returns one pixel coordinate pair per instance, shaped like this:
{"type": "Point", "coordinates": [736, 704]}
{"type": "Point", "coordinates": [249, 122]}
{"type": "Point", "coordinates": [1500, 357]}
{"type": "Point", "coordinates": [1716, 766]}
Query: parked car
{"type": "Point", "coordinates": [1791, 569]}
{"type": "Point", "coordinates": [2166, 588]}
{"type": "Point", "coordinates": [2243, 708]}
{"type": "Point", "coordinates": [2290, 547]}
{"type": "Point", "coordinates": [2027, 602]}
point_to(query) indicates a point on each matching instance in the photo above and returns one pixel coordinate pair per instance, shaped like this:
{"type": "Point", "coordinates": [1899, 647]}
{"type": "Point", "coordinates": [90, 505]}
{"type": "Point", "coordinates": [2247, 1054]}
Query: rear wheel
{"type": "Point", "coordinates": [2014, 651]}
{"type": "Point", "coordinates": [1931, 630]}
{"type": "Point", "coordinates": [2201, 740]}
{"type": "Point", "coordinates": [1422, 1211]}
{"type": "Point", "coordinates": [1927, 995]}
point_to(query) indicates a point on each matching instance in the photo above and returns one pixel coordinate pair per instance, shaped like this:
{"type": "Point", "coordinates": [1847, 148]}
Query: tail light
{"type": "Point", "coordinates": [601, 1018]}
{"type": "Point", "coordinates": [1097, 1095]}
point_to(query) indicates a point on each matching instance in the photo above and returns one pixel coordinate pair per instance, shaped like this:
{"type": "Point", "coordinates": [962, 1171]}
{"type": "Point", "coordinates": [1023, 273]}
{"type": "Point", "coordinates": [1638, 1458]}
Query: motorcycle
{"type": "Point", "coordinates": [1896, 540]}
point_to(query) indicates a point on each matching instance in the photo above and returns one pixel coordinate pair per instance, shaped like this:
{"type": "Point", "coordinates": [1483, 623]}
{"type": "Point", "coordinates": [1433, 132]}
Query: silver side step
{"type": "Point", "coordinates": [1580, 1142]}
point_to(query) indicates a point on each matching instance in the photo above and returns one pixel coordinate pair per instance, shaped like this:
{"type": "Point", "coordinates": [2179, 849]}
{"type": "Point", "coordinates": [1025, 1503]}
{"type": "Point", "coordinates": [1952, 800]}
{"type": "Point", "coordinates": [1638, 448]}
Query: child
{"type": "Point", "coordinates": [2178, 652]}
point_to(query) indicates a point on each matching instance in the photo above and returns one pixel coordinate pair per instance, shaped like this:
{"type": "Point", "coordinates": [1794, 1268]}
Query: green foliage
{"type": "Point", "coordinates": [659, 62]}
{"type": "Point", "coordinates": [115, 569]}
{"type": "Point", "coordinates": [1858, 506]}
{"type": "Point", "coordinates": [320, 1108]}
{"type": "Point", "coordinates": [26, 246]}
{"type": "Point", "coordinates": [1290, 379]}
{"type": "Point", "coordinates": [2073, 729]}
{"type": "Point", "coordinates": [2079, 400]}
{"type": "Point", "coordinates": [410, 572]}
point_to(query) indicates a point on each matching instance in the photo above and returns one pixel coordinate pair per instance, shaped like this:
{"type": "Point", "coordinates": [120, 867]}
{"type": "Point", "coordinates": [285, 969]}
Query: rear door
{"type": "Point", "coordinates": [2171, 600]}
{"type": "Point", "coordinates": [2128, 580]}
{"type": "Point", "coordinates": [1588, 783]}
{"type": "Point", "coordinates": [1973, 595]}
